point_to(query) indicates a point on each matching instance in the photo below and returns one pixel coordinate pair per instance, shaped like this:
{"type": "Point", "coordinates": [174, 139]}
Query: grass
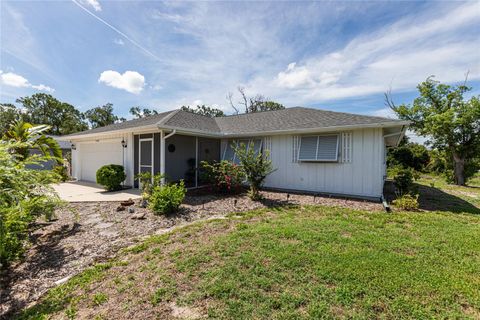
{"type": "Point", "coordinates": [289, 263]}
{"type": "Point", "coordinates": [469, 193]}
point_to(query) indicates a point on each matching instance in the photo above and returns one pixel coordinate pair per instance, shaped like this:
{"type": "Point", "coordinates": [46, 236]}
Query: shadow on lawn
{"type": "Point", "coordinates": [433, 199]}
{"type": "Point", "coordinates": [45, 254]}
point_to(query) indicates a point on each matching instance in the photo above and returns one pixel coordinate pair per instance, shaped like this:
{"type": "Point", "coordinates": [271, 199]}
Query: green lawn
{"type": "Point", "coordinates": [289, 263]}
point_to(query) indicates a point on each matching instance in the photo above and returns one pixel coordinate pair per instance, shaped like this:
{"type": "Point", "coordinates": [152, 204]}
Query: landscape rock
{"type": "Point", "coordinates": [139, 216]}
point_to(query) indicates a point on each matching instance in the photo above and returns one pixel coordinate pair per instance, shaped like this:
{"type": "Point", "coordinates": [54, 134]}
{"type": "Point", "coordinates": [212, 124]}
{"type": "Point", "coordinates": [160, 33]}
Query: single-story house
{"type": "Point", "coordinates": [312, 150]}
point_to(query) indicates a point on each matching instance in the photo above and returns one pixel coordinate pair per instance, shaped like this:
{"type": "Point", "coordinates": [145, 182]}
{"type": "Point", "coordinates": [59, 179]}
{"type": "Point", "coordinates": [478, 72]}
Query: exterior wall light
{"type": "Point", "coordinates": [73, 146]}
{"type": "Point", "coordinates": [124, 143]}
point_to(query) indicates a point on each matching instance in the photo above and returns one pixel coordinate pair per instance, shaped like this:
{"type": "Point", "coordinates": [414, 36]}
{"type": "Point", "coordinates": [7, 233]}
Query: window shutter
{"type": "Point", "coordinates": [308, 148]}
{"type": "Point", "coordinates": [318, 148]}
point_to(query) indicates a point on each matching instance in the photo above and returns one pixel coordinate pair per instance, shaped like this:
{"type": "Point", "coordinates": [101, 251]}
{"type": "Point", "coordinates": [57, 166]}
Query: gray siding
{"type": "Point", "coordinates": [176, 163]}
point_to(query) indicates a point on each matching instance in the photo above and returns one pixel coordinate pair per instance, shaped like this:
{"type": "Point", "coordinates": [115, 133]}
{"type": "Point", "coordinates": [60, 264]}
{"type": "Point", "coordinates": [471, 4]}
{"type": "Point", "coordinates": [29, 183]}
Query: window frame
{"type": "Point", "coordinates": [250, 142]}
{"type": "Point", "coordinates": [316, 150]}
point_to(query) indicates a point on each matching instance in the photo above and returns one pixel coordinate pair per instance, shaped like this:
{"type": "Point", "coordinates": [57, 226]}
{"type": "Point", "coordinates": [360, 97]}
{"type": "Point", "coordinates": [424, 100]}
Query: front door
{"type": "Point", "coordinates": [145, 155]}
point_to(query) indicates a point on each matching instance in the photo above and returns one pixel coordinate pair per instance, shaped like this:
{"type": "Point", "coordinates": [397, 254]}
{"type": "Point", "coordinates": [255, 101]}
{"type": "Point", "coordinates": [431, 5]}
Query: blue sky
{"type": "Point", "coordinates": [340, 56]}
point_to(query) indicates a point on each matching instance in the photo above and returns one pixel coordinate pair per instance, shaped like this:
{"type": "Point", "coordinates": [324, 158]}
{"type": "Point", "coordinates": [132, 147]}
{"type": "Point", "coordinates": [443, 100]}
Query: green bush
{"type": "Point", "coordinates": [25, 194]}
{"type": "Point", "coordinates": [223, 176]}
{"type": "Point", "coordinates": [147, 183]}
{"type": "Point", "coordinates": [111, 176]}
{"type": "Point", "coordinates": [403, 179]}
{"type": "Point", "coordinates": [407, 202]}
{"type": "Point", "coordinates": [256, 167]}
{"type": "Point", "coordinates": [167, 198]}
{"type": "Point", "coordinates": [62, 172]}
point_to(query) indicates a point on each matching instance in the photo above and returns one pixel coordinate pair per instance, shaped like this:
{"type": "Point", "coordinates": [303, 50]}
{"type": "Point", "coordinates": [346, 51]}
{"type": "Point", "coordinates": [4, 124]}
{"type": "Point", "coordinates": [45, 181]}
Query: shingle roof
{"type": "Point", "coordinates": [147, 121]}
{"type": "Point", "coordinates": [191, 121]}
{"type": "Point", "coordinates": [297, 118]}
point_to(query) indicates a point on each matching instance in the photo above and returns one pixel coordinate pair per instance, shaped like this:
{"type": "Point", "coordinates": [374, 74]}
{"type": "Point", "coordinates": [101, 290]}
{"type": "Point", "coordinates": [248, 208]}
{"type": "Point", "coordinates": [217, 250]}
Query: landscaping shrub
{"type": "Point", "coordinates": [403, 179]}
{"type": "Point", "coordinates": [255, 166]}
{"type": "Point", "coordinates": [25, 194]}
{"type": "Point", "coordinates": [111, 176]}
{"type": "Point", "coordinates": [167, 198]}
{"type": "Point", "coordinates": [224, 176]}
{"type": "Point", "coordinates": [61, 171]}
{"type": "Point", "coordinates": [407, 202]}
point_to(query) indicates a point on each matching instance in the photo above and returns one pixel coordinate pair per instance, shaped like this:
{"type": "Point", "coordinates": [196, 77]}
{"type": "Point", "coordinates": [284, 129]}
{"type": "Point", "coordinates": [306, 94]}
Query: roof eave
{"type": "Point", "coordinates": [388, 124]}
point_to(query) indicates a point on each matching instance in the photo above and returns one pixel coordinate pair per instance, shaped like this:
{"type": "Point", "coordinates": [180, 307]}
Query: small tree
{"type": "Point", "coordinates": [452, 122]}
{"type": "Point", "coordinates": [257, 166]}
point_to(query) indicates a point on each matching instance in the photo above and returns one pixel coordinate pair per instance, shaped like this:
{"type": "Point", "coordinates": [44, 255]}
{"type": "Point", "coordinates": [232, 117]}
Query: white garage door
{"type": "Point", "coordinates": [97, 154]}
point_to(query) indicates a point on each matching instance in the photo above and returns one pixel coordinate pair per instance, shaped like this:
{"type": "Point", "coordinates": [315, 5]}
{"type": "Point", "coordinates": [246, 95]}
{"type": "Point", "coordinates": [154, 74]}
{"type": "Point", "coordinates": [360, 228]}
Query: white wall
{"type": "Point", "coordinates": [363, 176]}
{"type": "Point", "coordinates": [128, 162]}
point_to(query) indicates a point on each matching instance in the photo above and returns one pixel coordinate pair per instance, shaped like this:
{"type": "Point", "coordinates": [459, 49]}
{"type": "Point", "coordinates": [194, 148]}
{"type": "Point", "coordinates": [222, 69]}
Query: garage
{"type": "Point", "coordinates": [97, 154]}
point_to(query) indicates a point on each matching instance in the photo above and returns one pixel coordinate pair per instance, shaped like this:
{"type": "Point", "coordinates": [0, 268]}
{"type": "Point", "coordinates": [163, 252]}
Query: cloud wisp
{"type": "Point", "coordinates": [135, 43]}
{"type": "Point", "coordinates": [130, 81]}
{"type": "Point", "coordinates": [15, 80]}
{"type": "Point", "coordinates": [402, 54]}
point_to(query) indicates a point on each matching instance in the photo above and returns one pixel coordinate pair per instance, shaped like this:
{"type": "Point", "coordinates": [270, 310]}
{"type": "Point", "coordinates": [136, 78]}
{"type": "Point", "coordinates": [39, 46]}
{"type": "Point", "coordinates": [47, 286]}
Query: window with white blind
{"type": "Point", "coordinates": [318, 148]}
{"type": "Point", "coordinates": [229, 152]}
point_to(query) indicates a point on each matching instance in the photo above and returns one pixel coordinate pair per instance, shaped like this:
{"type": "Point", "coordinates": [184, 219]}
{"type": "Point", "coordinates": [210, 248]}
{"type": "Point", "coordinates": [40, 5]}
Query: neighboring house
{"type": "Point", "coordinates": [313, 150]}
{"type": "Point", "coordinates": [48, 165]}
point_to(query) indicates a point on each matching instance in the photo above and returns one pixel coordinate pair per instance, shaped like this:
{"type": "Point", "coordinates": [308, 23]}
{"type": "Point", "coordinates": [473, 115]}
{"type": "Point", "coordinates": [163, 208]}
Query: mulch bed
{"type": "Point", "coordinates": [87, 233]}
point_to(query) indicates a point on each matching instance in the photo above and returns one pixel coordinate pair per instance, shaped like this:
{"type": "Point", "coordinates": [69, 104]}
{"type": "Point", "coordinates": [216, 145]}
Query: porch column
{"type": "Point", "coordinates": [162, 155]}
{"type": "Point", "coordinates": [196, 162]}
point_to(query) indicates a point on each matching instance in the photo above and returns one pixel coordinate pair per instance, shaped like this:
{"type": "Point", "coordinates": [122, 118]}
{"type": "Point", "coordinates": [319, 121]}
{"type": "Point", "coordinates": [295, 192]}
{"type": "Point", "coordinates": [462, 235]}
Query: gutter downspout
{"type": "Point", "coordinates": [162, 152]}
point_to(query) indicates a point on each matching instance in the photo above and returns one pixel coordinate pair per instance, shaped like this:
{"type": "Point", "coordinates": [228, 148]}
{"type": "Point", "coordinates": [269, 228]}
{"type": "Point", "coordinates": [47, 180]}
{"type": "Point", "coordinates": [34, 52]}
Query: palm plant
{"type": "Point", "coordinates": [33, 137]}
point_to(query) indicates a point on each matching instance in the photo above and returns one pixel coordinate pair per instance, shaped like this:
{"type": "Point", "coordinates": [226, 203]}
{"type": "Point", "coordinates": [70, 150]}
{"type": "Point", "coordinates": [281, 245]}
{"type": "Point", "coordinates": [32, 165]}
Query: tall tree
{"type": "Point", "coordinates": [253, 104]}
{"type": "Point", "coordinates": [204, 111]}
{"type": "Point", "coordinates": [42, 108]}
{"type": "Point", "coordinates": [138, 112]}
{"type": "Point", "coordinates": [452, 122]}
{"type": "Point", "coordinates": [102, 116]}
{"type": "Point", "coordinates": [8, 114]}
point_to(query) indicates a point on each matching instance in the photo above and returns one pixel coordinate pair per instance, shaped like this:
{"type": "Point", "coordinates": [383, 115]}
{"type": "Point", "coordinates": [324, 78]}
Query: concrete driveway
{"type": "Point", "coordinates": [80, 191]}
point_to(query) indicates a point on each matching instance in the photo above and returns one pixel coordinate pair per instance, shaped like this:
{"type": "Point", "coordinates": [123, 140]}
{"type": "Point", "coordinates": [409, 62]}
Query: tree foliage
{"type": "Point", "coordinates": [452, 122]}
{"type": "Point", "coordinates": [139, 112]}
{"type": "Point", "coordinates": [102, 116]}
{"type": "Point", "coordinates": [204, 111]}
{"type": "Point", "coordinates": [409, 155]}
{"type": "Point", "coordinates": [8, 114]}
{"type": "Point", "coordinates": [253, 104]}
{"type": "Point", "coordinates": [42, 108]}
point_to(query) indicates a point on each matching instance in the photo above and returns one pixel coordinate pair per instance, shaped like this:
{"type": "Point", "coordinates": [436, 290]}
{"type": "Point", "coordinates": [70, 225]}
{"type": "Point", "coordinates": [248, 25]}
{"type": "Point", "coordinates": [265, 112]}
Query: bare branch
{"type": "Point", "coordinates": [244, 97]}
{"type": "Point", "coordinates": [230, 99]}
{"type": "Point", "coordinates": [389, 100]}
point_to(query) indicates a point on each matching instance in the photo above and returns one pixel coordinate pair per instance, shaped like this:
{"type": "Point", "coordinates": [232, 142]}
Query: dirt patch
{"type": "Point", "coordinates": [87, 233]}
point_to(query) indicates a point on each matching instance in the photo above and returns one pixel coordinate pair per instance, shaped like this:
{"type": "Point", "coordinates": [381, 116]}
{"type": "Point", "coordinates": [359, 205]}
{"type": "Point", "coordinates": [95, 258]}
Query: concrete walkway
{"type": "Point", "coordinates": [81, 191]}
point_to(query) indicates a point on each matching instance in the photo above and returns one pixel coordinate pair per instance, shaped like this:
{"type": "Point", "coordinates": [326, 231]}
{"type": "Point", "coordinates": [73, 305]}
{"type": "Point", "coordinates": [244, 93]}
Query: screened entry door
{"type": "Point", "coordinates": [145, 155]}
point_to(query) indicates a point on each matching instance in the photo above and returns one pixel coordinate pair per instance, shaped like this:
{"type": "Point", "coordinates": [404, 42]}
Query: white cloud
{"type": "Point", "coordinates": [94, 4]}
{"type": "Point", "coordinates": [15, 80]}
{"type": "Point", "coordinates": [119, 41]}
{"type": "Point", "coordinates": [385, 113]}
{"type": "Point", "coordinates": [400, 55]}
{"type": "Point", "coordinates": [130, 81]}
{"type": "Point", "coordinates": [43, 87]}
